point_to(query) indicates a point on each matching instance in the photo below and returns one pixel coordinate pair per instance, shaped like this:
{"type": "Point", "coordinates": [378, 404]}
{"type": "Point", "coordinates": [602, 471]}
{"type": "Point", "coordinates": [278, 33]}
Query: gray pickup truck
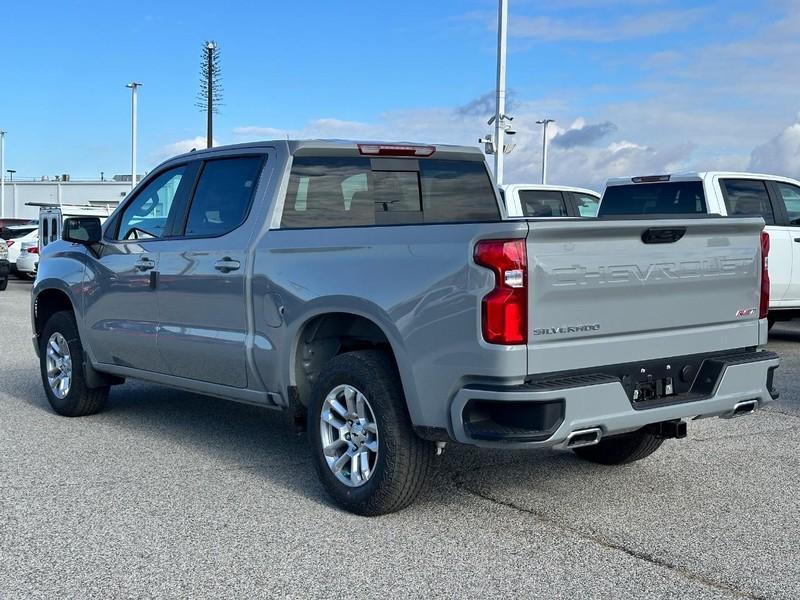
{"type": "Point", "coordinates": [375, 293]}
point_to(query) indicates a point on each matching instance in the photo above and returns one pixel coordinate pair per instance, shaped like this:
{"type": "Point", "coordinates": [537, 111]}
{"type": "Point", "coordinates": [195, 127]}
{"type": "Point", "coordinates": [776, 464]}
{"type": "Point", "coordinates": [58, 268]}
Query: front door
{"type": "Point", "coordinates": [789, 197]}
{"type": "Point", "coordinates": [202, 276]}
{"type": "Point", "coordinates": [121, 311]}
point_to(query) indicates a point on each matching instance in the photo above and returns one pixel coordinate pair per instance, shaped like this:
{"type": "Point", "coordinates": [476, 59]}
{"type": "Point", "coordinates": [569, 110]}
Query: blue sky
{"type": "Point", "coordinates": [650, 85]}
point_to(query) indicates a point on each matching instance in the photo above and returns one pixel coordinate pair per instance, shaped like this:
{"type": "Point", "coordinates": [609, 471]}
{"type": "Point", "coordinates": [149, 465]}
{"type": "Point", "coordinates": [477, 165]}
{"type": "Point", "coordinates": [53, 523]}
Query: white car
{"type": "Point", "coordinates": [19, 236]}
{"type": "Point", "coordinates": [28, 259]}
{"type": "Point", "coordinates": [776, 199]}
{"type": "Point", "coordinates": [536, 200]}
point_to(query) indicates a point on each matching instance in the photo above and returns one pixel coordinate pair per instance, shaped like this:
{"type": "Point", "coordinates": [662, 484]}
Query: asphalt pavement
{"type": "Point", "coordinates": [170, 494]}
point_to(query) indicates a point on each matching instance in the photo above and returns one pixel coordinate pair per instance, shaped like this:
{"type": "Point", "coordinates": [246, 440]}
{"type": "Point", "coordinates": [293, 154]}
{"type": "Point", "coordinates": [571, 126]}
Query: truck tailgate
{"type": "Point", "coordinates": [600, 295]}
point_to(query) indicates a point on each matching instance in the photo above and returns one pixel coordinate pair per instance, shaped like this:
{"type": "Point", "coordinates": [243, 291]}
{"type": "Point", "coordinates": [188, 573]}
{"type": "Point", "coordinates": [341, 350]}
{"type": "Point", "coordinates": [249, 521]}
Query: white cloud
{"type": "Point", "coordinates": [780, 155]}
{"type": "Point", "coordinates": [179, 147]}
{"type": "Point", "coordinates": [639, 26]}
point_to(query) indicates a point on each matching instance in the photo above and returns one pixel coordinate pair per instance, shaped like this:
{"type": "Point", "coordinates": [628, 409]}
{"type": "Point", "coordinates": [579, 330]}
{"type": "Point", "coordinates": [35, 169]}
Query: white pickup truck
{"type": "Point", "coordinates": [537, 200]}
{"type": "Point", "coordinates": [776, 199]}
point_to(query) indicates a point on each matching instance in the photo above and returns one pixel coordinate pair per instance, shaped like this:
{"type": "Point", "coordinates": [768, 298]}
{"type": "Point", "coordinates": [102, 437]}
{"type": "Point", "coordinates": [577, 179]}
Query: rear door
{"type": "Point", "coordinates": [750, 197]}
{"type": "Point", "coordinates": [202, 275]}
{"type": "Point", "coordinates": [600, 295]}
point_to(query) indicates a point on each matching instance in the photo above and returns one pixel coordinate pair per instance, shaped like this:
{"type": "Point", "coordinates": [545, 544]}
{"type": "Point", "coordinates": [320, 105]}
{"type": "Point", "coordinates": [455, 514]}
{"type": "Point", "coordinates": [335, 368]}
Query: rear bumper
{"type": "Point", "coordinates": [575, 403]}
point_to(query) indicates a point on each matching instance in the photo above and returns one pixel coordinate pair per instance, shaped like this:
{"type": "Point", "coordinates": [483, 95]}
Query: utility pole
{"type": "Point", "coordinates": [2, 173]}
{"type": "Point", "coordinates": [544, 123]}
{"type": "Point", "coordinates": [209, 82]}
{"type": "Point", "coordinates": [500, 104]}
{"type": "Point", "coordinates": [210, 96]}
{"type": "Point", "coordinates": [134, 86]}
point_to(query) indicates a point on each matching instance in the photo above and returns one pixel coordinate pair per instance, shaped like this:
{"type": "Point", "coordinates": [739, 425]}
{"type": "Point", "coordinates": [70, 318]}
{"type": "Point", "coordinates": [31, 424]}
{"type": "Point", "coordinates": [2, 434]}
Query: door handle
{"type": "Point", "coordinates": [144, 264]}
{"type": "Point", "coordinates": [227, 264]}
{"type": "Point", "coordinates": [797, 239]}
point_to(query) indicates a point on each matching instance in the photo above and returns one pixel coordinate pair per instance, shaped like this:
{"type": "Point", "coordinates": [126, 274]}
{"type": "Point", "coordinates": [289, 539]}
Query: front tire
{"type": "Point", "coordinates": [621, 449]}
{"type": "Point", "coordinates": [61, 365]}
{"type": "Point", "coordinates": [365, 451]}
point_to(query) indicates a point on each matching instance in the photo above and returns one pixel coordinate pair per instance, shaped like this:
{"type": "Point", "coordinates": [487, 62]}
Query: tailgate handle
{"type": "Point", "coordinates": [663, 235]}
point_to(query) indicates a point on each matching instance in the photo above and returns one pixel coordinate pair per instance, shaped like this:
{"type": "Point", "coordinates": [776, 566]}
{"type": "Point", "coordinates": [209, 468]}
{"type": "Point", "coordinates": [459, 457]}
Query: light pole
{"type": "Point", "coordinates": [500, 104]}
{"type": "Point", "coordinates": [134, 86]}
{"type": "Point", "coordinates": [2, 173]}
{"type": "Point", "coordinates": [10, 174]}
{"type": "Point", "coordinates": [544, 123]}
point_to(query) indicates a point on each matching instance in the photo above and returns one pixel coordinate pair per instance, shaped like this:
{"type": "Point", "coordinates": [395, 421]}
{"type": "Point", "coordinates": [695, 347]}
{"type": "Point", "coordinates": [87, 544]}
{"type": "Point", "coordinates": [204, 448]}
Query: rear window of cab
{"type": "Point", "coordinates": [665, 198]}
{"type": "Point", "coordinates": [359, 191]}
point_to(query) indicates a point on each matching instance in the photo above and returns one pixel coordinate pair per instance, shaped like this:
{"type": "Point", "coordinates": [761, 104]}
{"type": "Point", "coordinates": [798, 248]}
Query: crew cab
{"type": "Point", "coordinates": [539, 200]}
{"type": "Point", "coordinates": [775, 199]}
{"type": "Point", "coordinates": [376, 293]}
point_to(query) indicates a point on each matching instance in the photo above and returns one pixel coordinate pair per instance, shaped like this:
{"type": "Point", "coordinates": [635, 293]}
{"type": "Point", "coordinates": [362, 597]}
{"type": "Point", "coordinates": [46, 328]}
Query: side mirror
{"type": "Point", "coordinates": [82, 230]}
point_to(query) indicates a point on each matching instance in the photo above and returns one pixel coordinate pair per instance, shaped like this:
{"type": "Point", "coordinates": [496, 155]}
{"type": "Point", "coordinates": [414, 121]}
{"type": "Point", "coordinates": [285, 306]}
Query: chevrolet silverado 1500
{"type": "Point", "coordinates": [376, 294]}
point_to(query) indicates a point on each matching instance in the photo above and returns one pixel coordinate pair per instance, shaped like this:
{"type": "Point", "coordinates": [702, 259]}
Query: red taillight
{"type": "Point", "coordinates": [763, 306]}
{"type": "Point", "coordinates": [505, 308]}
{"type": "Point", "coordinates": [33, 250]}
{"type": "Point", "coordinates": [395, 150]}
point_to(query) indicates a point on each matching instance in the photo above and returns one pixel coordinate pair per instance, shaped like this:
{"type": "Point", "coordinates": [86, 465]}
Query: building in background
{"type": "Point", "coordinates": [64, 191]}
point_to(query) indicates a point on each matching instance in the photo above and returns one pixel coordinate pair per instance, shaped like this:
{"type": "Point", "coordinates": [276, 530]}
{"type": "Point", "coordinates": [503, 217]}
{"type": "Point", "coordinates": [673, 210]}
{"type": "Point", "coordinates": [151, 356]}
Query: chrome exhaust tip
{"type": "Point", "coordinates": [584, 437]}
{"type": "Point", "coordinates": [747, 407]}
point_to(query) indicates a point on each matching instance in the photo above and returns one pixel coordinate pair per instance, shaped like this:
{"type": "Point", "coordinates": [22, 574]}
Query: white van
{"type": "Point", "coordinates": [51, 219]}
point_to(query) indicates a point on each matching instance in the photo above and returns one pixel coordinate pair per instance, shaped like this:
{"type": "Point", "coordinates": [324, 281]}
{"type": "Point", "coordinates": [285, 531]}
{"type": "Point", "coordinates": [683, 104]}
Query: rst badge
{"type": "Point", "coordinates": [746, 312]}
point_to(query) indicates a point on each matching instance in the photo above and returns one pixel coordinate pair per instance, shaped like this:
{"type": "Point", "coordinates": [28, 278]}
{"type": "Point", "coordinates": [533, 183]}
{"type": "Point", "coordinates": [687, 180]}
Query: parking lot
{"type": "Point", "coordinates": [172, 494]}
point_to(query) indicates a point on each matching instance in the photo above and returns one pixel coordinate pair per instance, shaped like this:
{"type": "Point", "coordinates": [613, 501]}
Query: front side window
{"type": "Point", "coordinates": [747, 197]}
{"type": "Point", "coordinates": [542, 203]}
{"type": "Point", "coordinates": [587, 204]}
{"type": "Point", "coordinates": [790, 194]}
{"type": "Point", "coordinates": [223, 195]}
{"type": "Point", "coordinates": [351, 192]}
{"type": "Point", "coordinates": [146, 216]}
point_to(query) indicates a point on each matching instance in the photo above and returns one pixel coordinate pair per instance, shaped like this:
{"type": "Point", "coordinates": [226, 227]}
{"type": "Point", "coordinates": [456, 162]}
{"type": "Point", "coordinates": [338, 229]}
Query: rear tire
{"type": "Point", "coordinates": [621, 449]}
{"type": "Point", "coordinates": [61, 365]}
{"type": "Point", "coordinates": [396, 472]}
{"type": "Point", "coordinates": [3, 284]}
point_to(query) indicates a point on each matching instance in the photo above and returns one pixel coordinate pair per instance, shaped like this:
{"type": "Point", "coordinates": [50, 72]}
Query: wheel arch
{"type": "Point", "coordinates": [46, 303]}
{"type": "Point", "coordinates": [323, 334]}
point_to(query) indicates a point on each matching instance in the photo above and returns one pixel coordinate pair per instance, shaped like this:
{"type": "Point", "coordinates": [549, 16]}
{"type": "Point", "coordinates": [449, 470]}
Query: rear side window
{"type": "Point", "coordinates": [223, 195]}
{"type": "Point", "coordinates": [351, 192]}
{"type": "Point", "coordinates": [747, 197]}
{"type": "Point", "coordinates": [542, 203]}
{"type": "Point", "coordinates": [674, 197]}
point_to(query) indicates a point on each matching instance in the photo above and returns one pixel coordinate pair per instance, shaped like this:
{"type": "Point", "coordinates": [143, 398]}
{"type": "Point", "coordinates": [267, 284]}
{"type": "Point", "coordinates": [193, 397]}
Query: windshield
{"type": "Point", "coordinates": [674, 197]}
